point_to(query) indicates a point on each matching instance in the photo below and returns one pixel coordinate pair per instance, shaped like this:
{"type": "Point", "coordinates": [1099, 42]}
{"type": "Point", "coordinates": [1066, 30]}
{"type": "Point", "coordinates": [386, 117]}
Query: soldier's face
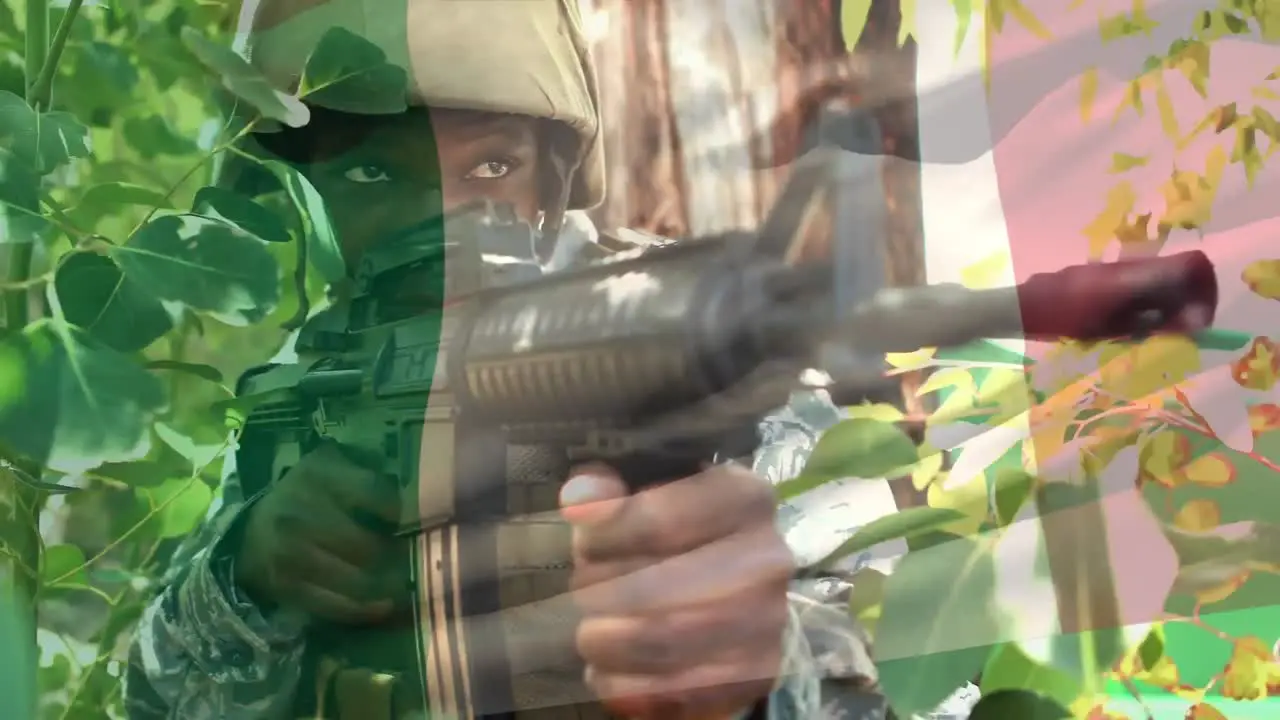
{"type": "Point", "coordinates": [397, 171]}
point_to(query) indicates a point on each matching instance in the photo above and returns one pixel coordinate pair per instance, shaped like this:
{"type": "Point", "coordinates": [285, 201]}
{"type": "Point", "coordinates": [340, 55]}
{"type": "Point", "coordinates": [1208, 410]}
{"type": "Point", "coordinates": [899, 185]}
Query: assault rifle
{"type": "Point", "coordinates": [655, 361]}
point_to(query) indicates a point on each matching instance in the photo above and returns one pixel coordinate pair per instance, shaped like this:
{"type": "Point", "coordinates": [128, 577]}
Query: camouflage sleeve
{"type": "Point", "coordinates": [827, 673]}
{"type": "Point", "coordinates": [201, 651]}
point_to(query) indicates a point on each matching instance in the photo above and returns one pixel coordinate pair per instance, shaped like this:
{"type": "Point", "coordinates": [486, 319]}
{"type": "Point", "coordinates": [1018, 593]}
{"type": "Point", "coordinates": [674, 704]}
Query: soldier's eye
{"type": "Point", "coordinates": [492, 170]}
{"type": "Point", "coordinates": [365, 174]}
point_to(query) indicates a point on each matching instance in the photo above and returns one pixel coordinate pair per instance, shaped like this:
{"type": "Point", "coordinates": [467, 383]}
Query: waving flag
{"type": "Point", "coordinates": [1089, 131]}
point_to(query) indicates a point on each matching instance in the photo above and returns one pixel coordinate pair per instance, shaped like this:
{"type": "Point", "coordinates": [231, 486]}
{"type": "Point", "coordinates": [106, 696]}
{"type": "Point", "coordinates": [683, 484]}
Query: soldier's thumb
{"type": "Point", "coordinates": [592, 495]}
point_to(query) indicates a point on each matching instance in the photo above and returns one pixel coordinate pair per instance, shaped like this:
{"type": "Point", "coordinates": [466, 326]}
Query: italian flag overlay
{"type": "Point", "coordinates": [1087, 131]}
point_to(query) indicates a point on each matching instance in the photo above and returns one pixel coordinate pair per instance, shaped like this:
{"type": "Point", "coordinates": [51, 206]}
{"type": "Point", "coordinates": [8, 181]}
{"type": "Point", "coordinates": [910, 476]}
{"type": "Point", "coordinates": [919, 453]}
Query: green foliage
{"type": "Point", "coordinates": [346, 73]}
{"type": "Point", "coordinates": [928, 643]}
{"type": "Point", "coordinates": [244, 82]}
{"type": "Point", "coordinates": [145, 286]}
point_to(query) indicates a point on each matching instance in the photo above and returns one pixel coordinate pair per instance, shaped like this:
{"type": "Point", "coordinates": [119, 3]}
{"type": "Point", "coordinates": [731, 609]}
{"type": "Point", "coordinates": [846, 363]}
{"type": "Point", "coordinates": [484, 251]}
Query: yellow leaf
{"type": "Point", "coordinates": [970, 498]}
{"type": "Point", "coordinates": [1250, 671]}
{"type": "Point", "coordinates": [959, 378]}
{"type": "Point", "coordinates": [1157, 364]}
{"type": "Point", "coordinates": [907, 26]}
{"type": "Point", "coordinates": [986, 273]}
{"type": "Point", "coordinates": [1217, 594]}
{"type": "Point", "coordinates": [1258, 368]}
{"type": "Point", "coordinates": [1088, 92]}
{"type": "Point", "coordinates": [1164, 674]}
{"type": "Point", "coordinates": [1168, 118]}
{"type": "Point", "coordinates": [1132, 99]}
{"type": "Point", "coordinates": [1264, 418]}
{"type": "Point", "coordinates": [1027, 20]}
{"type": "Point", "coordinates": [1136, 231]}
{"type": "Point", "coordinates": [1204, 711]}
{"type": "Point", "coordinates": [1161, 456]}
{"type": "Point", "coordinates": [853, 20]}
{"type": "Point", "coordinates": [1189, 197]}
{"type": "Point", "coordinates": [1100, 232]}
{"type": "Point", "coordinates": [929, 467]}
{"type": "Point", "coordinates": [1266, 122]}
{"type": "Point", "coordinates": [1214, 165]}
{"type": "Point", "coordinates": [883, 412]}
{"type": "Point", "coordinates": [1212, 470]}
{"type": "Point", "coordinates": [1198, 516]}
{"type": "Point", "coordinates": [912, 360]}
{"type": "Point", "coordinates": [1121, 162]}
{"type": "Point", "coordinates": [1193, 63]}
{"type": "Point", "coordinates": [1263, 278]}
{"type": "Point", "coordinates": [1110, 441]}
{"type": "Point", "coordinates": [1262, 92]}
{"type": "Point", "coordinates": [1007, 390]}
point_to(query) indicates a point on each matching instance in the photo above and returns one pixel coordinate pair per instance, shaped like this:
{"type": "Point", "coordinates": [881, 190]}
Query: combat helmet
{"type": "Point", "coordinates": [523, 57]}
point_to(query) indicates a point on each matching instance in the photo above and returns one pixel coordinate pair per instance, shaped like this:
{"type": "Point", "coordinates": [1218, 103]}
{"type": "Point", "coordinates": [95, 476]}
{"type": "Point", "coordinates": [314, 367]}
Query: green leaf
{"type": "Point", "coordinates": [348, 73]}
{"type": "Point", "coordinates": [1151, 649]}
{"type": "Point", "coordinates": [323, 249]}
{"type": "Point", "coordinates": [241, 211]}
{"type": "Point", "coordinates": [184, 502]}
{"type": "Point", "coordinates": [18, 656]}
{"type": "Point", "coordinates": [100, 80]}
{"type": "Point", "coordinates": [1009, 668]}
{"type": "Point", "coordinates": [861, 448]}
{"type": "Point", "coordinates": [139, 473]}
{"type": "Point", "coordinates": [152, 137]}
{"type": "Point", "coordinates": [198, 455]}
{"type": "Point", "coordinates": [42, 141]}
{"type": "Point", "coordinates": [937, 624]}
{"type": "Point", "coordinates": [106, 199]}
{"type": "Point", "coordinates": [1011, 489]}
{"type": "Point", "coordinates": [244, 81]}
{"type": "Point", "coordinates": [95, 295]}
{"type": "Point", "coordinates": [70, 403]}
{"type": "Point", "coordinates": [20, 217]}
{"type": "Point", "coordinates": [1020, 704]}
{"type": "Point", "coordinates": [799, 485]}
{"type": "Point", "coordinates": [59, 560]}
{"type": "Point", "coordinates": [866, 599]}
{"type": "Point", "coordinates": [902, 524]}
{"type": "Point", "coordinates": [205, 264]}
{"type": "Point", "coordinates": [205, 372]}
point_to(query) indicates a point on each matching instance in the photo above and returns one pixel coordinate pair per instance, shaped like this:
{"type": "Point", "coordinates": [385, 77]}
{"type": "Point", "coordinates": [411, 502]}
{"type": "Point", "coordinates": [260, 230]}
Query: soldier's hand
{"type": "Point", "coordinates": [683, 588]}
{"type": "Point", "coordinates": [320, 540]}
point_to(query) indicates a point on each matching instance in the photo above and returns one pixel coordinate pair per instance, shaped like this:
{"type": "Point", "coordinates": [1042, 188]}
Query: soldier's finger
{"type": "Point", "coordinates": [708, 690]}
{"type": "Point", "coordinates": [664, 643]}
{"type": "Point", "coordinates": [593, 495]}
{"type": "Point", "coordinates": [680, 516]}
{"type": "Point", "coordinates": [315, 567]}
{"type": "Point", "coordinates": [357, 490]}
{"type": "Point", "coordinates": [719, 572]}
{"type": "Point", "coordinates": [329, 605]}
{"type": "Point", "coordinates": [337, 532]}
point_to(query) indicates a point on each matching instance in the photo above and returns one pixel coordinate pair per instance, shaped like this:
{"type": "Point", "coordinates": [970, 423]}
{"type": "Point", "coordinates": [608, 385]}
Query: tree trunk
{"type": "Point", "coordinates": [642, 148]}
{"type": "Point", "coordinates": [706, 104]}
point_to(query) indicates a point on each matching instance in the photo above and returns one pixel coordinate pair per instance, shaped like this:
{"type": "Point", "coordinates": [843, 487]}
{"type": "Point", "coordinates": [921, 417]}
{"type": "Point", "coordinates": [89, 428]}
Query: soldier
{"type": "Point", "coordinates": [513, 118]}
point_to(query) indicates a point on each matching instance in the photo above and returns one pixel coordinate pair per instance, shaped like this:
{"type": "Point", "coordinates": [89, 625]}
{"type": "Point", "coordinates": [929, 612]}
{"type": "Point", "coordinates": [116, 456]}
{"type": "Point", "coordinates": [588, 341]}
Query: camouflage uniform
{"type": "Point", "coordinates": [203, 651]}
